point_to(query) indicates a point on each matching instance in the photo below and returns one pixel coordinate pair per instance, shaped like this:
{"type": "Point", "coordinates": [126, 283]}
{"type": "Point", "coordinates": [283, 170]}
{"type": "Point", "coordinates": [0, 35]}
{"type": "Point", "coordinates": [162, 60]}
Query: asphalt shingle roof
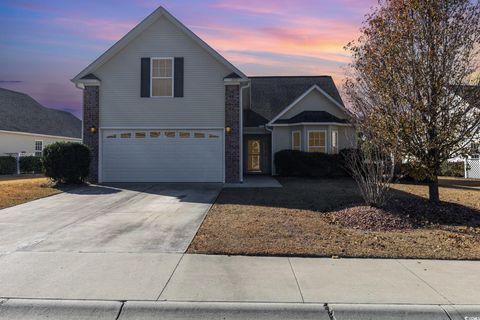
{"type": "Point", "coordinates": [270, 95]}
{"type": "Point", "coordinates": [253, 119]}
{"type": "Point", "coordinates": [19, 112]}
{"type": "Point", "coordinates": [313, 116]}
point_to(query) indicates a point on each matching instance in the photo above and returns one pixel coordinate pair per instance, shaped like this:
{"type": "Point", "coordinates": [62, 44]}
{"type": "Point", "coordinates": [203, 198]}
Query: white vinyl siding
{"type": "Point", "coordinates": [314, 101]}
{"type": "Point", "coordinates": [11, 142]}
{"type": "Point", "coordinates": [157, 155]}
{"type": "Point", "coordinates": [203, 104]}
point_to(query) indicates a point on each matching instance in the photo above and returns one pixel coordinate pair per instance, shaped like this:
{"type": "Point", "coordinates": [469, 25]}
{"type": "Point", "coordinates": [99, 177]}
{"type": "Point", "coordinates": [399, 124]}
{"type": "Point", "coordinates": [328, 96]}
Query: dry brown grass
{"type": "Point", "coordinates": [296, 221]}
{"type": "Point", "coordinates": [20, 189]}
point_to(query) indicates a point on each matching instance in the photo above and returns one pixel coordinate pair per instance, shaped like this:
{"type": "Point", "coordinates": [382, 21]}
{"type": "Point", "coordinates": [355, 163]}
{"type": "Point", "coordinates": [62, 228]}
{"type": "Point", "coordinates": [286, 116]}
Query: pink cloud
{"type": "Point", "coordinates": [253, 6]}
{"type": "Point", "coordinates": [103, 29]}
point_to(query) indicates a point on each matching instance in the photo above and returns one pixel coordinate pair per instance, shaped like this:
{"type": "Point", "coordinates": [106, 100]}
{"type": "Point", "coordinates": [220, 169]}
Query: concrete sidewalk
{"type": "Point", "coordinates": [203, 278]}
{"type": "Point", "coordinates": [53, 285]}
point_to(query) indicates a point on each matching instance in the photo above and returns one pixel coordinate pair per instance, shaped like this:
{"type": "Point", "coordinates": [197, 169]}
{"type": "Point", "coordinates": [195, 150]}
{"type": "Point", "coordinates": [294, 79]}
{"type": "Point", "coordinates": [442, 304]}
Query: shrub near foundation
{"type": "Point", "coordinates": [294, 163]}
{"type": "Point", "coordinates": [8, 165]}
{"type": "Point", "coordinates": [66, 162]}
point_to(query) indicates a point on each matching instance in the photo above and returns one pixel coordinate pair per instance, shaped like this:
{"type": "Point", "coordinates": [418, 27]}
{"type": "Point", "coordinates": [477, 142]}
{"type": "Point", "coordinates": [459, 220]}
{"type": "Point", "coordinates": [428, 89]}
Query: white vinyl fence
{"type": "Point", "coordinates": [17, 156]}
{"type": "Point", "coordinates": [472, 168]}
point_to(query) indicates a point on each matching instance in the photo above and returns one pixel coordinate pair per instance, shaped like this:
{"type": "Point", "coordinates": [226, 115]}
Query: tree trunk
{"type": "Point", "coordinates": [433, 194]}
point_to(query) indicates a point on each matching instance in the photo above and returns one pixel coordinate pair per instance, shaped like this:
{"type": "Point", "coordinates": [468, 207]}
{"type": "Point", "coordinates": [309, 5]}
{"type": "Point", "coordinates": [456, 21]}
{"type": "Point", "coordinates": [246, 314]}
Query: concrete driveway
{"type": "Point", "coordinates": [141, 218]}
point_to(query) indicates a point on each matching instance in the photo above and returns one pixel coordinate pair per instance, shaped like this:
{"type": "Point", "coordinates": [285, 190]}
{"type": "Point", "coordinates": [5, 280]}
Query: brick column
{"type": "Point", "coordinates": [91, 100]}
{"type": "Point", "coordinates": [232, 140]}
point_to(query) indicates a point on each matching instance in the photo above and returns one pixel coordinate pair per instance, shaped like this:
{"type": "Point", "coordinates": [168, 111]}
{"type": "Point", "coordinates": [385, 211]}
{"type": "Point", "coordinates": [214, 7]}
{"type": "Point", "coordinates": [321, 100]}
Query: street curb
{"type": "Point", "coordinates": [26, 309]}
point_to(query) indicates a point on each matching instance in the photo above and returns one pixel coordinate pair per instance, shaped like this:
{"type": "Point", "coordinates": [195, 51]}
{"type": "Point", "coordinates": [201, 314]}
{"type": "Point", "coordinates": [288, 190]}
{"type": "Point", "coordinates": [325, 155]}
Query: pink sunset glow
{"type": "Point", "coordinates": [47, 44]}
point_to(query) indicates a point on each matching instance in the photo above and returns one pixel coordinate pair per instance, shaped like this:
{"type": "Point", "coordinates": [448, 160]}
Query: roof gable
{"type": "Point", "coordinates": [305, 95]}
{"type": "Point", "coordinates": [271, 95]}
{"type": "Point", "coordinates": [142, 26]}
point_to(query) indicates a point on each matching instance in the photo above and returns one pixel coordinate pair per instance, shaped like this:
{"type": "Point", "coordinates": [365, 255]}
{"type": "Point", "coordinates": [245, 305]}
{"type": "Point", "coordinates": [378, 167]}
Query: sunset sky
{"type": "Point", "coordinates": [43, 44]}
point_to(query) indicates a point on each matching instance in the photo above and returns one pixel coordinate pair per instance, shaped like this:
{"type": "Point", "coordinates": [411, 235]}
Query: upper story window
{"type": "Point", "coordinates": [38, 148]}
{"type": "Point", "coordinates": [296, 140]}
{"type": "Point", "coordinates": [316, 141]}
{"type": "Point", "coordinates": [334, 141]}
{"type": "Point", "coordinates": [162, 77]}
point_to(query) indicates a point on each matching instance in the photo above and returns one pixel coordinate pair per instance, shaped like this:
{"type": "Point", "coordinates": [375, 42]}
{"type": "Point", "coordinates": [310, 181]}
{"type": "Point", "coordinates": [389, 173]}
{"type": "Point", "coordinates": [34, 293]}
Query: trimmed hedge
{"type": "Point", "coordinates": [8, 165]}
{"type": "Point", "coordinates": [453, 169]}
{"type": "Point", "coordinates": [310, 164]}
{"type": "Point", "coordinates": [31, 164]}
{"type": "Point", "coordinates": [66, 162]}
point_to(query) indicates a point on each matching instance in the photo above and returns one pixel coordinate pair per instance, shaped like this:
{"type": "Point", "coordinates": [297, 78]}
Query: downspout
{"type": "Point", "coordinates": [241, 129]}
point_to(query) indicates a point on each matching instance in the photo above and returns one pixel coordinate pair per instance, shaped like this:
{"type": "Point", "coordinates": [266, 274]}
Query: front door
{"type": "Point", "coordinates": [254, 147]}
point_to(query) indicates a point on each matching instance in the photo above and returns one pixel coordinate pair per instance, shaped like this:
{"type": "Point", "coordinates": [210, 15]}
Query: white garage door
{"type": "Point", "coordinates": [162, 156]}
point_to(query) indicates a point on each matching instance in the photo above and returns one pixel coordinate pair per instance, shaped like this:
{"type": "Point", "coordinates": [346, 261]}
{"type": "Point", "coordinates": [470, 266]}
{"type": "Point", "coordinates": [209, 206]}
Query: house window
{"type": "Point", "coordinates": [316, 141]}
{"type": "Point", "coordinates": [475, 150]}
{"type": "Point", "coordinates": [38, 148]}
{"type": "Point", "coordinates": [162, 77]}
{"type": "Point", "coordinates": [334, 141]}
{"type": "Point", "coordinates": [296, 140]}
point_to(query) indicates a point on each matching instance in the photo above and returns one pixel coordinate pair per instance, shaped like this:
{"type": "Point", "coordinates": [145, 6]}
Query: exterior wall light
{"type": "Point", "coordinates": [228, 130]}
{"type": "Point", "coordinates": [93, 129]}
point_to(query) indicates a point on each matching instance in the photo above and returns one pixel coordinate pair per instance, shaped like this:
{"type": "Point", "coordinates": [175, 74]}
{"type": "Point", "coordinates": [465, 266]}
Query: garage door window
{"type": "Point", "coordinates": [170, 134]}
{"type": "Point", "coordinates": [140, 135]}
{"type": "Point", "coordinates": [213, 136]}
{"type": "Point", "coordinates": [125, 135]}
{"type": "Point", "coordinates": [155, 134]}
{"type": "Point", "coordinates": [111, 136]}
{"type": "Point", "coordinates": [184, 134]}
{"type": "Point", "coordinates": [199, 135]}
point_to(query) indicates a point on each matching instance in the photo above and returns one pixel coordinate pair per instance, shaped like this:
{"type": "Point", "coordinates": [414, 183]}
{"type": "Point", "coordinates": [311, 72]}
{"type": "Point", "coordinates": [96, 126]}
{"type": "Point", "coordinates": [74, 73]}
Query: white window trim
{"type": "Point", "coordinates": [300, 138]}
{"type": "Point", "coordinates": [35, 147]}
{"type": "Point", "coordinates": [331, 140]}
{"type": "Point", "coordinates": [151, 76]}
{"type": "Point", "coordinates": [308, 140]}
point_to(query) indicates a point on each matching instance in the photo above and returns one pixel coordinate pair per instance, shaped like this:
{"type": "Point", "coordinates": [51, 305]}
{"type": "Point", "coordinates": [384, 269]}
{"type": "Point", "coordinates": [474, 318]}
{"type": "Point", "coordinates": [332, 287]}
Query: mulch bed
{"type": "Point", "coordinates": [403, 214]}
{"type": "Point", "coordinates": [370, 219]}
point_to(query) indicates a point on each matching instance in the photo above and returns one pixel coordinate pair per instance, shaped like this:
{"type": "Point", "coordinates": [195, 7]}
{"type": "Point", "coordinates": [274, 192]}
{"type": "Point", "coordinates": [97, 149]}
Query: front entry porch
{"type": "Point", "coordinates": [257, 150]}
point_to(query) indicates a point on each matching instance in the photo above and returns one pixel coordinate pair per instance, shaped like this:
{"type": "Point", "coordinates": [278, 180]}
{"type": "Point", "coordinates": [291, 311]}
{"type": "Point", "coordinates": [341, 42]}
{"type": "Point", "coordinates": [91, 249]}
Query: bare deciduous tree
{"type": "Point", "coordinates": [372, 168]}
{"type": "Point", "coordinates": [414, 77]}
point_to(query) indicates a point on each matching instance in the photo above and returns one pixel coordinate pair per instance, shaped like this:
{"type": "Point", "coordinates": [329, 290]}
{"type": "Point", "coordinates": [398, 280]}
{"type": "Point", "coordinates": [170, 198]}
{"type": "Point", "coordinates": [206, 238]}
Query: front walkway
{"type": "Point", "coordinates": [252, 181]}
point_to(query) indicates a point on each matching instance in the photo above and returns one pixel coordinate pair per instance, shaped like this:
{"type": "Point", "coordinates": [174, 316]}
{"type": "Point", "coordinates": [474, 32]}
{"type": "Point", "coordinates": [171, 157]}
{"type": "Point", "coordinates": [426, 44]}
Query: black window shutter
{"type": "Point", "coordinates": [178, 78]}
{"type": "Point", "coordinates": [145, 78]}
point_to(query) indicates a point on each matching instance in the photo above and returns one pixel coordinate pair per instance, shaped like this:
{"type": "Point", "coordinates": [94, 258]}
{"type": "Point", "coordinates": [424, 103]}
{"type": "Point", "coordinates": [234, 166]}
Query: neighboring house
{"type": "Point", "coordinates": [27, 127]}
{"type": "Point", "coordinates": [162, 105]}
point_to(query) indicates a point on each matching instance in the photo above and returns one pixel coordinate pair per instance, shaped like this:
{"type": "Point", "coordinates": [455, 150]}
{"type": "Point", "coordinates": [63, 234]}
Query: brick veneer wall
{"type": "Point", "coordinates": [232, 140]}
{"type": "Point", "coordinates": [91, 100]}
